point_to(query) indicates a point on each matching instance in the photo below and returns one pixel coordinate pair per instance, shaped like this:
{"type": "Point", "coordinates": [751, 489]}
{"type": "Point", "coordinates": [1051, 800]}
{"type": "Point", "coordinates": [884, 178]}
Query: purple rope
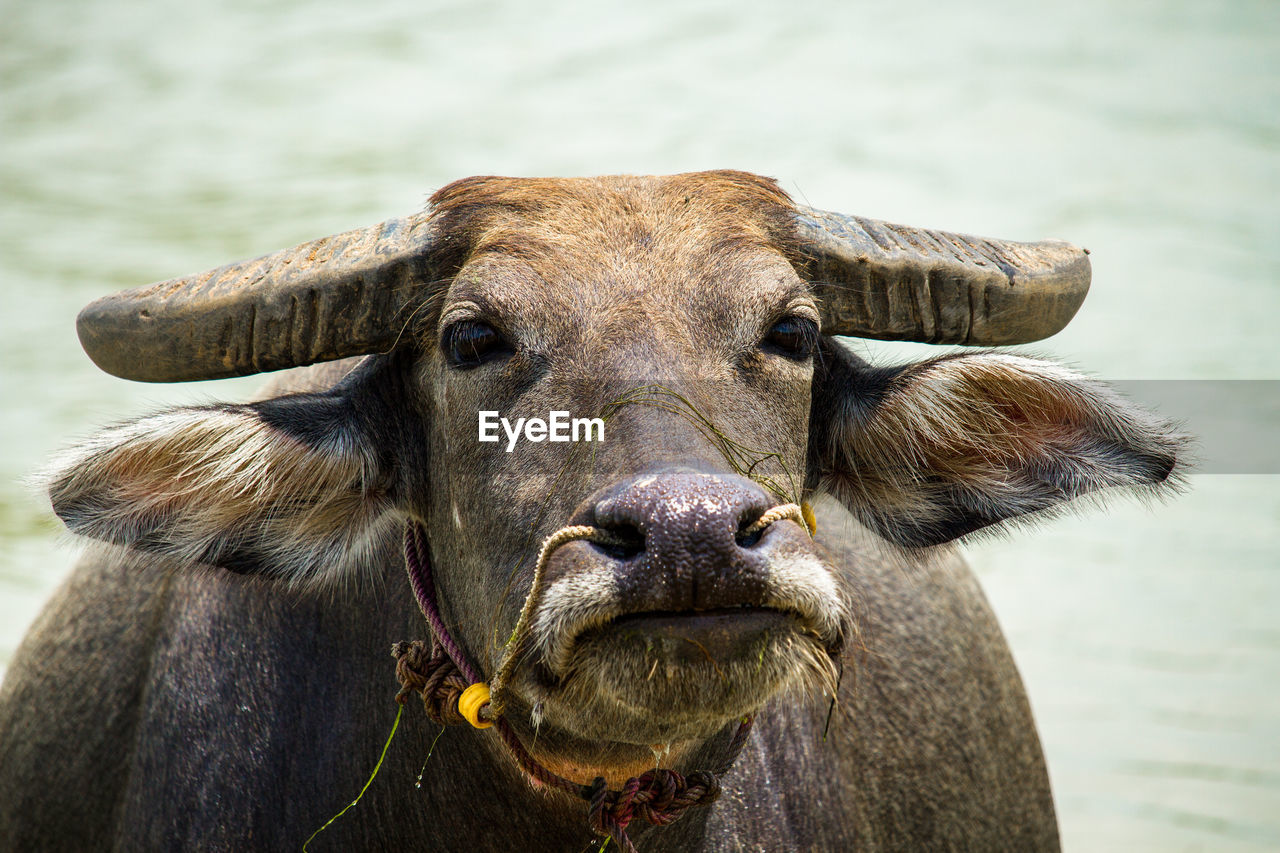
{"type": "Point", "coordinates": [424, 588]}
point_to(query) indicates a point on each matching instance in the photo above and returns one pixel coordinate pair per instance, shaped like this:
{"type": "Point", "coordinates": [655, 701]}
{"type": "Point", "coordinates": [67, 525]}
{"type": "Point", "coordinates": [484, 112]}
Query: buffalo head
{"type": "Point", "coordinates": [694, 315]}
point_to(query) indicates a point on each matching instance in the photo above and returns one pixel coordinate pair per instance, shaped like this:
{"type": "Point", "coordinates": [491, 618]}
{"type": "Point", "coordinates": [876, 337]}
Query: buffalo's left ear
{"type": "Point", "coordinates": [926, 453]}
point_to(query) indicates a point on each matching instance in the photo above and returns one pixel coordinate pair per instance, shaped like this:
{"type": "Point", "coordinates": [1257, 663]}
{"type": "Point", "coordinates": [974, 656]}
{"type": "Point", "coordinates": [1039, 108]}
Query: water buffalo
{"type": "Point", "coordinates": [215, 674]}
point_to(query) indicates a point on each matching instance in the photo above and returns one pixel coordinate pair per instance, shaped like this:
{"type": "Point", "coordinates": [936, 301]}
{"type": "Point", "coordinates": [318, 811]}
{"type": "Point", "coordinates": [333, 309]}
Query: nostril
{"type": "Point", "coordinates": [625, 541]}
{"type": "Point", "coordinates": [746, 537]}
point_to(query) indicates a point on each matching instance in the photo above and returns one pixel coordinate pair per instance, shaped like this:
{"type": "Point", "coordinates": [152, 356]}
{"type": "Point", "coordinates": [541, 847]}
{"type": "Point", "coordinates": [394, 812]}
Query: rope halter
{"type": "Point", "coordinates": [453, 692]}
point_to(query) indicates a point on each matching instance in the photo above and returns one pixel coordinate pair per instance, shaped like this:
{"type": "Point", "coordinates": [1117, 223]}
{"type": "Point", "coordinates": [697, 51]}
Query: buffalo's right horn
{"type": "Point", "coordinates": [894, 282]}
{"type": "Point", "coordinates": [348, 294]}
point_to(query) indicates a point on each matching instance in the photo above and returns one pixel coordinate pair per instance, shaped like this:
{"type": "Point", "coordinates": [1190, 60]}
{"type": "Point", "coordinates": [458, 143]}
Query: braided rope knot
{"type": "Point", "coordinates": [657, 797]}
{"type": "Point", "coordinates": [433, 677]}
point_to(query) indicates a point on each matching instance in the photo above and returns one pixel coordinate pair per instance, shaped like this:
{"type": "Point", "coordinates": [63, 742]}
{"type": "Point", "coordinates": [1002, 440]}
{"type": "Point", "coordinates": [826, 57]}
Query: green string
{"type": "Point", "coordinates": [372, 776]}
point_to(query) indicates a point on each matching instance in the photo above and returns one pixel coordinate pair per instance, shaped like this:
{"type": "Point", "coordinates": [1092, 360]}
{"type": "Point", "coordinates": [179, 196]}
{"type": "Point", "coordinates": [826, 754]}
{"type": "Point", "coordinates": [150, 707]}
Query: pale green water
{"type": "Point", "coordinates": [138, 142]}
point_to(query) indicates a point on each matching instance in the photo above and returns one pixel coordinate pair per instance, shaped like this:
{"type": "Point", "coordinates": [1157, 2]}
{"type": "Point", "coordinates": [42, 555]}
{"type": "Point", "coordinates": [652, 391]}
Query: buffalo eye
{"type": "Point", "coordinates": [469, 343]}
{"type": "Point", "coordinates": [793, 337]}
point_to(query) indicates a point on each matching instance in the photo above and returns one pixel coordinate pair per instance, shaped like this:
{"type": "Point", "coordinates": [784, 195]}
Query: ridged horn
{"type": "Point", "coordinates": [894, 282]}
{"type": "Point", "coordinates": [348, 294]}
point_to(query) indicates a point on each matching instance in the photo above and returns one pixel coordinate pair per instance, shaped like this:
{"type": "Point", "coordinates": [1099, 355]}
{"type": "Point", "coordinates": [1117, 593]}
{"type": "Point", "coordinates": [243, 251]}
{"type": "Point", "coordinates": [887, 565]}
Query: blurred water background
{"type": "Point", "coordinates": [139, 141]}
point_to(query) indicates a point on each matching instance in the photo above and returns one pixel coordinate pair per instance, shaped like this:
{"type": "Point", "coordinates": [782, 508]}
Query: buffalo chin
{"type": "Point", "coordinates": [661, 677]}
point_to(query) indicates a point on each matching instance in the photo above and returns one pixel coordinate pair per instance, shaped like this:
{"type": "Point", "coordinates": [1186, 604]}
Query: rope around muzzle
{"type": "Point", "coordinates": [453, 692]}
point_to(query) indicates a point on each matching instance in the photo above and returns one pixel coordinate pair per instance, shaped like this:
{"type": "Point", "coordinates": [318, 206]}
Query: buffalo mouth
{"type": "Point", "coordinates": [798, 600]}
{"type": "Point", "coordinates": [723, 635]}
{"type": "Point", "coordinates": [658, 676]}
{"type": "Point", "coordinates": [629, 645]}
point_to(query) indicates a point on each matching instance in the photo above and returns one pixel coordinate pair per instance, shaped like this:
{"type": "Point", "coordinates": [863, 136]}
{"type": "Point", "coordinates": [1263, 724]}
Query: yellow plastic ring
{"type": "Point", "coordinates": [471, 701]}
{"type": "Point", "coordinates": [810, 520]}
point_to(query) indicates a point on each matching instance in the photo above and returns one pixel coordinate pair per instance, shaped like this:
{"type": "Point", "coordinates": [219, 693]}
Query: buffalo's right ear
{"type": "Point", "coordinates": [925, 453]}
{"type": "Point", "coordinates": [297, 487]}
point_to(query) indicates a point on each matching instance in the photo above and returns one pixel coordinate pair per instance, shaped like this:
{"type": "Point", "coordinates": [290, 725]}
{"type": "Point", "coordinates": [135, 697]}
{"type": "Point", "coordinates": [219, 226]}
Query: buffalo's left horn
{"type": "Point", "coordinates": [894, 282]}
{"type": "Point", "coordinates": [349, 294]}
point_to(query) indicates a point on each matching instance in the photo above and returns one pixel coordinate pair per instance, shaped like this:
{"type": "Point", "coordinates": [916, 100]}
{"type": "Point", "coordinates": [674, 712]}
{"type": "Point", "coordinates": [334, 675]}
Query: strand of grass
{"type": "Point", "coordinates": [436, 740]}
{"type": "Point", "coordinates": [835, 694]}
{"type": "Point", "coordinates": [737, 451]}
{"type": "Point", "coordinates": [372, 776]}
{"type": "Point", "coordinates": [742, 458]}
{"type": "Point", "coordinates": [827, 726]}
